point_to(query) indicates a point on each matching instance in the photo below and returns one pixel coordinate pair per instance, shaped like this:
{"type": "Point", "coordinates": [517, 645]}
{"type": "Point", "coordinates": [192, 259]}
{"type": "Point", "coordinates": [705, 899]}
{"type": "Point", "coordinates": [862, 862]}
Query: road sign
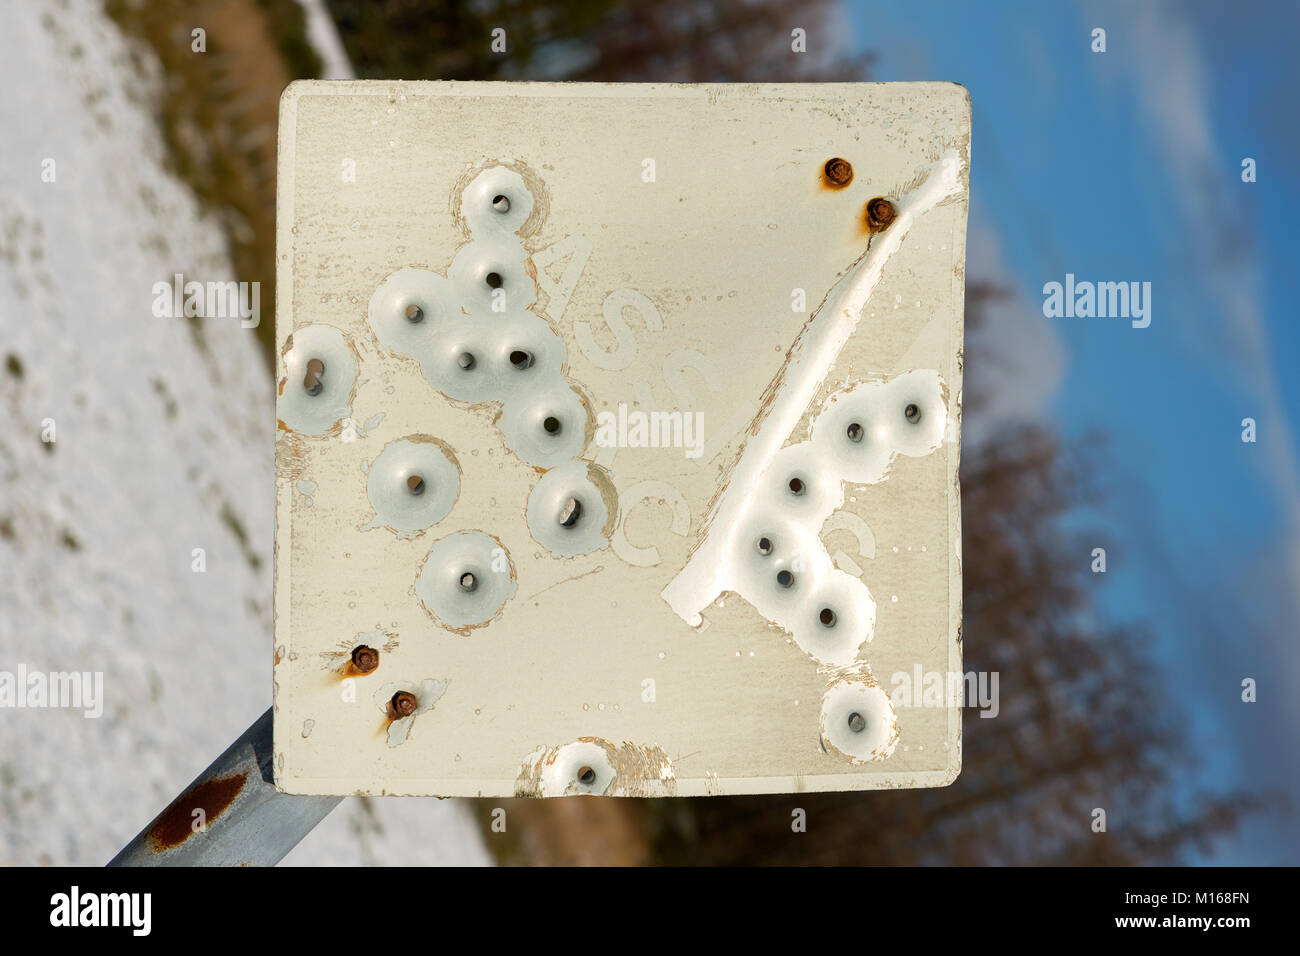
{"type": "Point", "coordinates": [618, 437]}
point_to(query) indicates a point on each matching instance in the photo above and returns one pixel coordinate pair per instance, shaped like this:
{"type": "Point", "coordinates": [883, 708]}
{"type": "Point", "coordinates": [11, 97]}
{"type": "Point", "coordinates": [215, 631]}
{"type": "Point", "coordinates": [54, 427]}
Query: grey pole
{"type": "Point", "coordinates": [229, 815]}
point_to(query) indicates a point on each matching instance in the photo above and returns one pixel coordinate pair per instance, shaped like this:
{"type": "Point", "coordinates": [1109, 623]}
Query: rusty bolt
{"type": "Point", "coordinates": [403, 703]}
{"type": "Point", "coordinates": [839, 172]}
{"type": "Point", "coordinates": [880, 212]}
{"type": "Point", "coordinates": [365, 659]}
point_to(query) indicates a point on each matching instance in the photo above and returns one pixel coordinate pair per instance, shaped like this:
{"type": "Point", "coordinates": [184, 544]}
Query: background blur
{"type": "Point", "coordinates": [1120, 690]}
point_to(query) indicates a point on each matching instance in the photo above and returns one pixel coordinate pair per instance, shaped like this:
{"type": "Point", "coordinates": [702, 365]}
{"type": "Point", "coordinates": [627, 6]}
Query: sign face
{"type": "Point", "coordinates": [618, 438]}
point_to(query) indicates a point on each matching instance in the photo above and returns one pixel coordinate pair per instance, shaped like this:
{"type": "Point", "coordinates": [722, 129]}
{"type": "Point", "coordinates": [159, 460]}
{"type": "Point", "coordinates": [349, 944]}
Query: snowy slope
{"type": "Point", "coordinates": [163, 444]}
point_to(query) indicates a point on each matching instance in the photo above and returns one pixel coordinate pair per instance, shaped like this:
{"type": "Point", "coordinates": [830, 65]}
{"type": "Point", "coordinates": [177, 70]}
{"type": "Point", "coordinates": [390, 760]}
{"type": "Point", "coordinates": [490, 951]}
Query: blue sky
{"type": "Point", "coordinates": [1126, 166]}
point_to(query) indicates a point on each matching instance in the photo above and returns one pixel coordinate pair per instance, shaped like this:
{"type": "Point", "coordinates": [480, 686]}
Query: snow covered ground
{"type": "Point", "coordinates": [163, 444]}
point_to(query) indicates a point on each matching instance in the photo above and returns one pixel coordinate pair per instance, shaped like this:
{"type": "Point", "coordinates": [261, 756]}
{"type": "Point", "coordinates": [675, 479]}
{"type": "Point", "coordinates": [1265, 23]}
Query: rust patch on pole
{"type": "Point", "coordinates": [213, 797]}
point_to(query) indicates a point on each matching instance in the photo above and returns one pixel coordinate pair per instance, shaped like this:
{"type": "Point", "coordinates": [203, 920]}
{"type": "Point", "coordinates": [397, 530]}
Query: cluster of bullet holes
{"type": "Point", "coordinates": [476, 340]}
{"type": "Point", "coordinates": [781, 565]}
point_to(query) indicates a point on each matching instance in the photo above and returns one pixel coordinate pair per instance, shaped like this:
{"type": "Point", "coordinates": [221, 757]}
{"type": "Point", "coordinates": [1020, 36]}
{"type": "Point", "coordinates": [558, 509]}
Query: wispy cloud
{"type": "Point", "coordinates": [1171, 81]}
{"type": "Point", "coordinates": [1016, 362]}
{"type": "Point", "coordinates": [1250, 620]}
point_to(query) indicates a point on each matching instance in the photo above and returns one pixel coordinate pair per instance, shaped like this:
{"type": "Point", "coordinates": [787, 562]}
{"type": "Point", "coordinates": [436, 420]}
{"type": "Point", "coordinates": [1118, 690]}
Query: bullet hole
{"type": "Point", "coordinates": [414, 314]}
{"type": "Point", "coordinates": [468, 583]}
{"type": "Point", "coordinates": [466, 361]}
{"type": "Point", "coordinates": [551, 424]}
{"type": "Point", "coordinates": [521, 360]}
{"type": "Point", "coordinates": [785, 579]}
{"type": "Point", "coordinates": [501, 204]}
{"type": "Point", "coordinates": [827, 617]}
{"type": "Point", "coordinates": [586, 776]}
{"type": "Point", "coordinates": [764, 546]}
{"type": "Point", "coordinates": [796, 486]}
{"type": "Point", "coordinates": [415, 485]}
{"type": "Point", "coordinates": [14, 365]}
{"type": "Point", "coordinates": [857, 723]}
{"type": "Point", "coordinates": [855, 432]}
{"type": "Point", "coordinates": [912, 413]}
{"type": "Point", "coordinates": [494, 280]}
{"type": "Point", "coordinates": [570, 513]}
{"type": "Point", "coordinates": [312, 380]}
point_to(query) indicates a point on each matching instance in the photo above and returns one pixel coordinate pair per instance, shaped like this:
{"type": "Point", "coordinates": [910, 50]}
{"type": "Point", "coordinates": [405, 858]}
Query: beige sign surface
{"type": "Point", "coordinates": [618, 437]}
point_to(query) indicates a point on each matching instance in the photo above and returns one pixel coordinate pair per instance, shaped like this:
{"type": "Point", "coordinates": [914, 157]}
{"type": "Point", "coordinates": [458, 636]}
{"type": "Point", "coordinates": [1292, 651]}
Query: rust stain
{"type": "Point", "coordinates": [176, 824]}
{"type": "Point", "coordinates": [364, 659]}
{"type": "Point", "coordinates": [880, 213]}
{"type": "Point", "coordinates": [403, 704]}
{"type": "Point", "coordinates": [837, 173]}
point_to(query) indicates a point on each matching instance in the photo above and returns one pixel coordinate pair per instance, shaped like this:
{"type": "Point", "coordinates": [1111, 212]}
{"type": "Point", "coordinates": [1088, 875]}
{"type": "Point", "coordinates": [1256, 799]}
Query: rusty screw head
{"type": "Point", "coordinates": [839, 172]}
{"type": "Point", "coordinates": [364, 658]}
{"type": "Point", "coordinates": [880, 212]}
{"type": "Point", "coordinates": [403, 703]}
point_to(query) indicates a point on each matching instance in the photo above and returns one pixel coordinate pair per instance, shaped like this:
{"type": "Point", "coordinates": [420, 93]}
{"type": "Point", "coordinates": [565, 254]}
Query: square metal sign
{"type": "Point", "coordinates": [618, 433]}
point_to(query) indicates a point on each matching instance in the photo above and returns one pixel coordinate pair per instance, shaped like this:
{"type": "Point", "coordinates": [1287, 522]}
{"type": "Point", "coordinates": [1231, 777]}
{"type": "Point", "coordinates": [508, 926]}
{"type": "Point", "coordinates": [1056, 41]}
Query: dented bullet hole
{"type": "Point", "coordinates": [855, 432]}
{"type": "Point", "coordinates": [764, 546]}
{"type": "Point", "coordinates": [365, 658]}
{"type": "Point", "coordinates": [785, 579]}
{"type": "Point", "coordinates": [521, 359]}
{"type": "Point", "coordinates": [880, 213]}
{"type": "Point", "coordinates": [465, 360]}
{"type": "Point", "coordinates": [468, 583]}
{"type": "Point", "coordinates": [857, 723]}
{"type": "Point", "coordinates": [796, 486]}
{"type": "Point", "coordinates": [838, 172]}
{"type": "Point", "coordinates": [403, 703]}
{"type": "Point", "coordinates": [312, 380]}
{"type": "Point", "coordinates": [827, 617]}
{"type": "Point", "coordinates": [415, 485]}
{"type": "Point", "coordinates": [414, 314]}
{"type": "Point", "coordinates": [494, 280]}
{"type": "Point", "coordinates": [912, 413]}
{"type": "Point", "coordinates": [551, 424]}
{"type": "Point", "coordinates": [501, 204]}
{"type": "Point", "coordinates": [570, 513]}
{"type": "Point", "coordinates": [586, 776]}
